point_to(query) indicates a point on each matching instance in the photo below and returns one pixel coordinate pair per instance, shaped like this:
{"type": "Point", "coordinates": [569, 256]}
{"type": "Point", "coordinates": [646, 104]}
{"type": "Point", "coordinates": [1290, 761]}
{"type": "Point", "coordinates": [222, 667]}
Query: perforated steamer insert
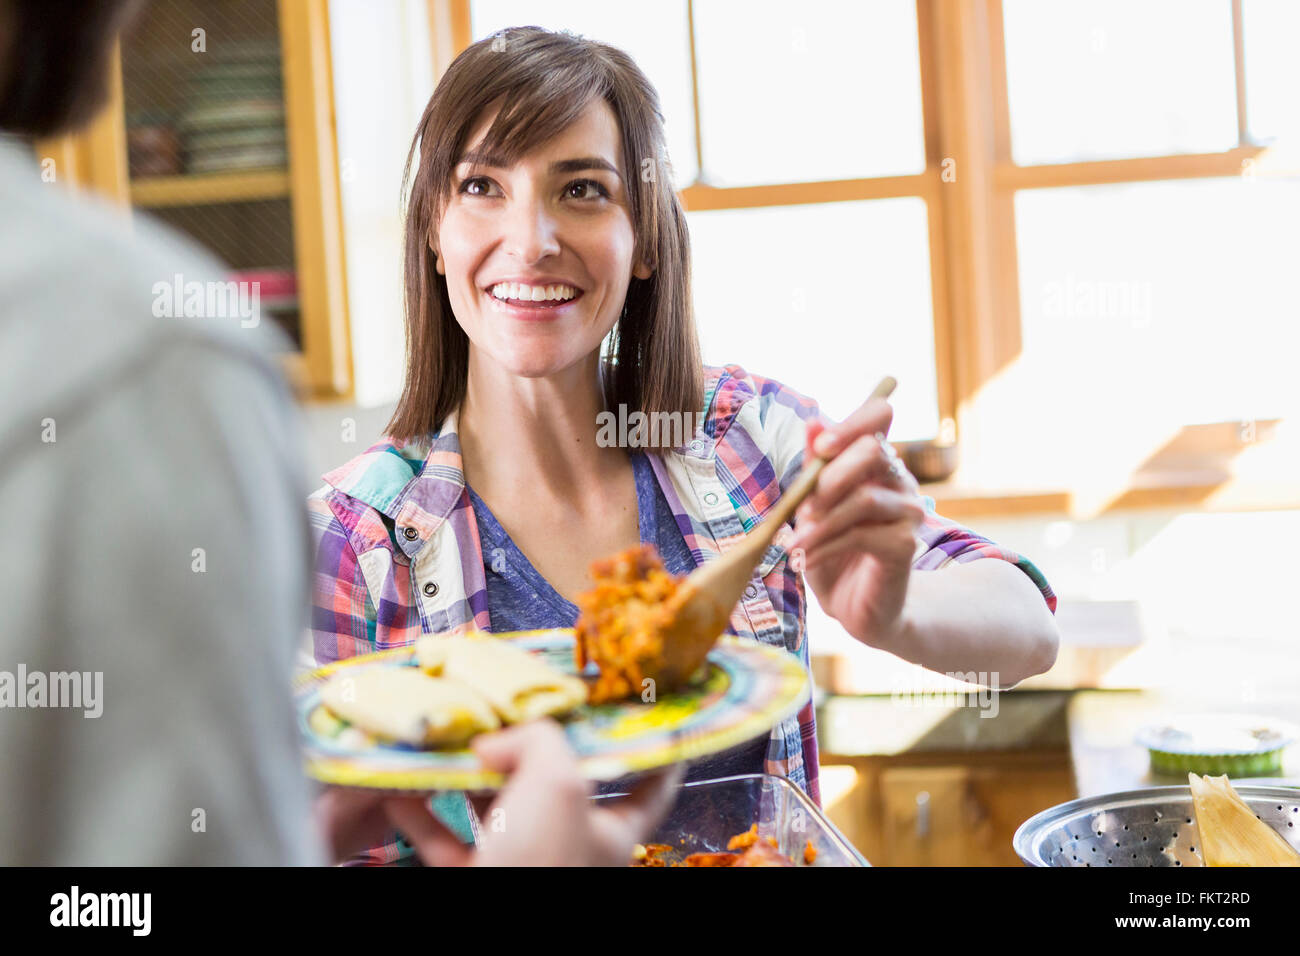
{"type": "Point", "coordinates": [1150, 827]}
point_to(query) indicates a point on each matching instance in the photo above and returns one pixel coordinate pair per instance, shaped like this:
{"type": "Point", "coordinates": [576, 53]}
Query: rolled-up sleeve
{"type": "Point", "coordinates": [941, 541]}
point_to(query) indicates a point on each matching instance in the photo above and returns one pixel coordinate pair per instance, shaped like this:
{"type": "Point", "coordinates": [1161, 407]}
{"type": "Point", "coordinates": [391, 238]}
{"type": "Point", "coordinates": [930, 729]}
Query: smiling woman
{"type": "Point", "coordinates": [548, 289]}
{"type": "Point", "coordinates": [533, 141]}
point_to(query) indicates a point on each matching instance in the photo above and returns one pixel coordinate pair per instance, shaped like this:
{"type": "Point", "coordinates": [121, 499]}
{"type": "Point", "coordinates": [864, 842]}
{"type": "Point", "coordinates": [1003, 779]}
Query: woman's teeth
{"type": "Point", "coordinates": [533, 293]}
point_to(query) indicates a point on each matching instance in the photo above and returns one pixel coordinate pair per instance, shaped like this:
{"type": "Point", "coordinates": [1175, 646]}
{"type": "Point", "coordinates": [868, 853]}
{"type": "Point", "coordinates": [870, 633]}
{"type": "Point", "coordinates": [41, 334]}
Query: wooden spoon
{"type": "Point", "coordinates": [698, 611]}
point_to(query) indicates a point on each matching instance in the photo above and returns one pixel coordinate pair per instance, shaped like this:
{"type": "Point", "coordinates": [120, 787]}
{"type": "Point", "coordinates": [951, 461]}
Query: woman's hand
{"type": "Point", "coordinates": [854, 533]}
{"type": "Point", "coordinates": [542, 817]}
{"type": "Point", "coordinates": [545, 816]}
{"type": "Point", "coordinates": [351, 820]}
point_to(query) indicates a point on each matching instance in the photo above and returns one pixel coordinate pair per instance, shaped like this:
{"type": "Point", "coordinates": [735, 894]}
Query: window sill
{"type": "Point", "coordinates": [1205, 468]}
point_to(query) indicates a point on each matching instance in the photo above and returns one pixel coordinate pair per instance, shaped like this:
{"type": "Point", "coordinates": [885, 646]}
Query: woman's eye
{"type": "Point", "coordinates": [476, 186]}
{"type": "Point", "coordinates": [585, 189]}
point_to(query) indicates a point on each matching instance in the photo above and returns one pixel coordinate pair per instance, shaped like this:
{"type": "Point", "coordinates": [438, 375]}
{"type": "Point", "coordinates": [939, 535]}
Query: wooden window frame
{"type": "Point", "coordinates": [1195, 470]}
{"type": "Point", "coordinates": [969, 186]}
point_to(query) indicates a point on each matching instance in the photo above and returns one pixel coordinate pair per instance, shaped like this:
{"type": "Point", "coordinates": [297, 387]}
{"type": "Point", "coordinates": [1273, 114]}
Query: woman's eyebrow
{"type": "Point", "coordinates": [586, 162]}
{"type": "Point", "coordinates": [559, 166]}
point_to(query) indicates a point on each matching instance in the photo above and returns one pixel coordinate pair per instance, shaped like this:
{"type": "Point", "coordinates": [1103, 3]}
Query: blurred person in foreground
{"type": "Point", "coordinates": [155, 555]}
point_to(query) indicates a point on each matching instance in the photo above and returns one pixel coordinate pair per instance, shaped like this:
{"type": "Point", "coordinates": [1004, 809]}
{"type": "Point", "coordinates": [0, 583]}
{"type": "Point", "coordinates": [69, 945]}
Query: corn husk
{"type": "Point", "coordinates": [1230, 833]}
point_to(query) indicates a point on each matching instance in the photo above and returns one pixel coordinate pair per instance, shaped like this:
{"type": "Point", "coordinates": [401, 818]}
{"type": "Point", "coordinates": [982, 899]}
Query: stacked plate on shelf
{"type": "Point", "coordinates": [233, 117]}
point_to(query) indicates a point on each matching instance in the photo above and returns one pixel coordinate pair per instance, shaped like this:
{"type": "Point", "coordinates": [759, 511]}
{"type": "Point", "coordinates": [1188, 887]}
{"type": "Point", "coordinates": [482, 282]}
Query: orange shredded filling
{"type": "Point", "coordinates": [757, 852]}
{"type": "Point", "coordinates": [621, 619]}
{"type": "Point", "coordinates": [742, 840]}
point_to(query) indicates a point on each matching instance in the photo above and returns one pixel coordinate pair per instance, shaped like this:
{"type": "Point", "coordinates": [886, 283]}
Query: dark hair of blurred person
{"type": "Point", "coordinates": [56, 78]}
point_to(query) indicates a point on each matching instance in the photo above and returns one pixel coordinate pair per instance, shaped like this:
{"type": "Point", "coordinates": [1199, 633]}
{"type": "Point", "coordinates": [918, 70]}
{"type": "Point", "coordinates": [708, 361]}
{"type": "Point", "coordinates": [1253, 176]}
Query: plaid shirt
{"type": "Point", "coordinates": [398, 552]}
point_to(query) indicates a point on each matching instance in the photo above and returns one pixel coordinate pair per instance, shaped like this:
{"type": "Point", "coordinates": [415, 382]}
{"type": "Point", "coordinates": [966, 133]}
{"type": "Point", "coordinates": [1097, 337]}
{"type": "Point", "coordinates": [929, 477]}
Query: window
{"type": "Point", "coordinates": [840, 87]}
{"type": "Point", "coordinates": [1271, 30]}
{"type": "Point", "coordinates": [866, 281]}
{"type": "Point", "coordinates": [1154, 259]}
{"type": "Point", "coordinates": [1066, 227]}
{"type": "Point", "coordinates": [660, 45]}
{"type": "Point", "coordinates": [1110, 79]}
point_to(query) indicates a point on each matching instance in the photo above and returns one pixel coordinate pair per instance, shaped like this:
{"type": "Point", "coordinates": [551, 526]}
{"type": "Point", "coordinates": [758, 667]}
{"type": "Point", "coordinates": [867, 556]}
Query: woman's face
{"type": "Point", "coordinates": [538, 255]}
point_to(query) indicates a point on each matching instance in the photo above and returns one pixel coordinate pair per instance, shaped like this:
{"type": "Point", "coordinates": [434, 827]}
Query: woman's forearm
{"type": "Point", "coordinates": [984, 616]}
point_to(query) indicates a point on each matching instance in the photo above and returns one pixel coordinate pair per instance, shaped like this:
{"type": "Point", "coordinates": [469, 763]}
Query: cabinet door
{"type": "Point", "coordinates": [1007, 798]}
{"type": "Point", "coordinates": [963, 816]}
{"type": "Point", "coordinates": [928, 818]}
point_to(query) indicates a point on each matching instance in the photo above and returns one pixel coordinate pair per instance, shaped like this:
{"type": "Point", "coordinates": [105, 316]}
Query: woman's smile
{"type": "Point", "coordinates": [542, 298]}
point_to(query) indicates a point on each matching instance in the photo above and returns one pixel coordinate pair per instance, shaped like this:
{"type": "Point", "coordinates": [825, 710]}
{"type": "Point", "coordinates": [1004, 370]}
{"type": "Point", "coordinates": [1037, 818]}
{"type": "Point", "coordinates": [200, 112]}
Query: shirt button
{"type": "Point", "coordinates": [751, 592]}
{"type": "Point", "coordinates": [697, 445]}
{"type": "Point", "coordinates": [431, 589]}
{"type": "Point", "coordinates": [410, 534]}
{"type": "Point", "coordinates": [711, 499]}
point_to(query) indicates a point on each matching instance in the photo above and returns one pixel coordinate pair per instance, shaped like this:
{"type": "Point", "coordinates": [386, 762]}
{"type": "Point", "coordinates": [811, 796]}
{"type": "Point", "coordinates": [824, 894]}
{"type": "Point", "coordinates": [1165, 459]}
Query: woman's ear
{"type": "Point", "coordinates": [438, 264]}
{"type": "Point", "coordinates": [642, 271]}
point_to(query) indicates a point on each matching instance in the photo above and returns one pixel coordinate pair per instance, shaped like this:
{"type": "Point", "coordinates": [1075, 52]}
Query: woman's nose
{"type": "Point", "coordinates": [530, 232]}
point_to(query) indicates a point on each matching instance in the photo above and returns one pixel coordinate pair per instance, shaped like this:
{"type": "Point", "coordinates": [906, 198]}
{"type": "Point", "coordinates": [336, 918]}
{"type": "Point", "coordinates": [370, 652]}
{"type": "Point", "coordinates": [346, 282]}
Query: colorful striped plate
{"type": "Point", "coordinates": [747, 690]}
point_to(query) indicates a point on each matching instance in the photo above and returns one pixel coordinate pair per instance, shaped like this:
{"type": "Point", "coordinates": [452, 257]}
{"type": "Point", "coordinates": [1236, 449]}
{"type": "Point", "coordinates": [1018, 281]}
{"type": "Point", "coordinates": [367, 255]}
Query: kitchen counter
{"type": "Point", "coordinates": [1097, 727]}
{"type": "Point", "coordinates": [1102, 725]}
{"type": "Point", "coordinates": [881, 725]}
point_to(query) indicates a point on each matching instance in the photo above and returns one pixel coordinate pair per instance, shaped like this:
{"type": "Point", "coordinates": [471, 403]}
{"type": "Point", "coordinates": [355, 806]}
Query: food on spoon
{"type": "Point", "coordinates": [1230, 833]}
{"type": "Point", "coordinates": [624, 626]}
{"type": "Point", "coordinates": [405, 705]}
{"type": "Point", "coordinates": [518, 685]}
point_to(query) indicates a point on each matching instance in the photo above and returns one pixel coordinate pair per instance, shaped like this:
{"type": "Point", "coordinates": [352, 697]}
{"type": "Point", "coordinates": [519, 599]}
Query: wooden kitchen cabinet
{"type": "Point", "coordinates": [957, 809]}
{"type": "Point", "coordinates": [928, 817]}
{"type": "Point", "coordinates": [220, 123]}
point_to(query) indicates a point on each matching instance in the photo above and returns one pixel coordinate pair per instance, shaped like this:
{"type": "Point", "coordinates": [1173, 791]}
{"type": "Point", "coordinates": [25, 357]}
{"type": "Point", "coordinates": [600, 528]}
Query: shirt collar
{"type": "Point", "coordinates": [387, 475]}
{"type": "Point", "coordinates": [419, 483]}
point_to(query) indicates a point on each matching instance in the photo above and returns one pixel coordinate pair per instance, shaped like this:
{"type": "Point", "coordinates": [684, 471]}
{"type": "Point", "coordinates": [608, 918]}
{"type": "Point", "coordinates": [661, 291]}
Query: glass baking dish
{"type": "Point", "coordinates": [708, 813]}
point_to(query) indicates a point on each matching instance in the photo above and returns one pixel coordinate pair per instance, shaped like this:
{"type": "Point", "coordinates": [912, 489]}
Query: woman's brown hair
{"type": "Point", "coordinates": [544, 81]}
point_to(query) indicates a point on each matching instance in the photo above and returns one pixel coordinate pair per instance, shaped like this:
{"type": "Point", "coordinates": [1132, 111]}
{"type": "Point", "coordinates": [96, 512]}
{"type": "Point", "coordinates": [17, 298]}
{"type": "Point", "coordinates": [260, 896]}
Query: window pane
{"type": "Point", "coordinates": [659, 43]}
{"type": "Point", "coordinates": [1272, 37]}
{"type": "Point", "coordinates": [1110, 79]}
{"type": "Point", "coordinates": [821, 90]}
{"type": "Point", "coordinates": [1145, 307]}
{"type": "Point", "coordinates": [825, 298]}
